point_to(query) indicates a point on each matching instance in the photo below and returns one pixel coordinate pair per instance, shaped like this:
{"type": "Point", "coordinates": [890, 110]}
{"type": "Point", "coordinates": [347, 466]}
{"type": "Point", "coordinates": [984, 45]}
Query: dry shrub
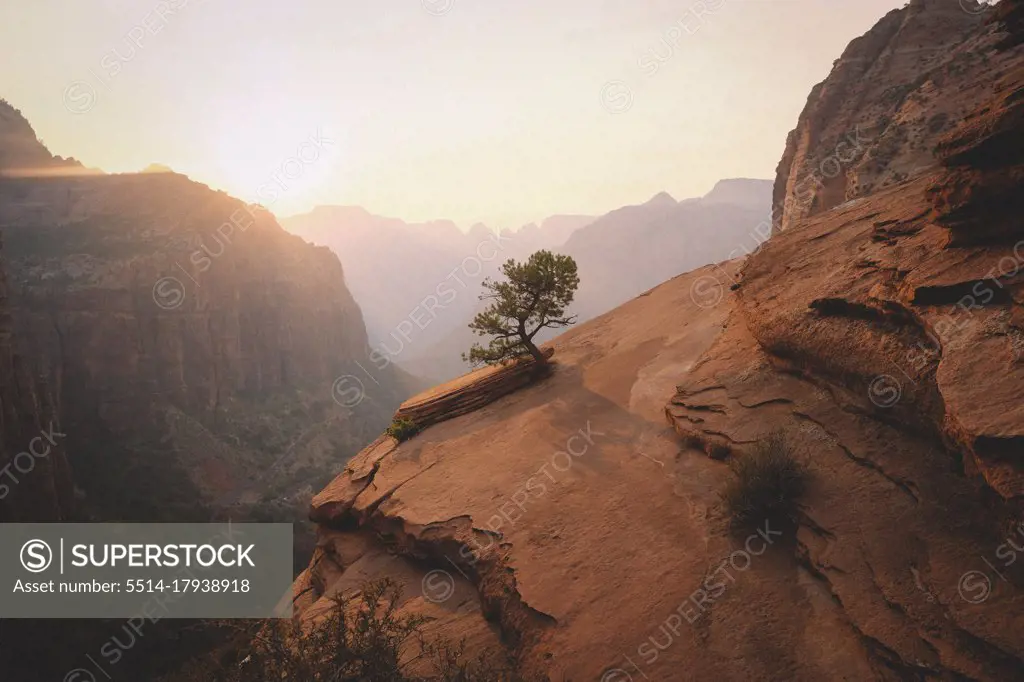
{"type": "Point", "coordinates": [767, 485]}
{"type": "Point", "coordinates": [360, 640]}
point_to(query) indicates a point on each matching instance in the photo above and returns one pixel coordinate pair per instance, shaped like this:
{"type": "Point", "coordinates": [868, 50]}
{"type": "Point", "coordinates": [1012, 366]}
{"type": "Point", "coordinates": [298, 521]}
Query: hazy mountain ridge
{"type": "Point", "coordinates": [620, 255]}
{"type": "Point", "coordinates": [418, 284]}
{"type": "Point", "coordinates": [23, 153]}
{"type": "Point", "coordinates": [631, 249]}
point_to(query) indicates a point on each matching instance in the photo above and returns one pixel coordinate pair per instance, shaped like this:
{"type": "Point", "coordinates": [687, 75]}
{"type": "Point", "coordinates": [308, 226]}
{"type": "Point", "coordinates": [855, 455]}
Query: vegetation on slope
{"type": "Point", "coordinates": [364, 639]}
{"type": "Point", "coordinates": [768, 484]}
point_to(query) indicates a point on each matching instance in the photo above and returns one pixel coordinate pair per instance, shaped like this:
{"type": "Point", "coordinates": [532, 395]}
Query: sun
{"type": "Point", "coordinates": [277, 155]}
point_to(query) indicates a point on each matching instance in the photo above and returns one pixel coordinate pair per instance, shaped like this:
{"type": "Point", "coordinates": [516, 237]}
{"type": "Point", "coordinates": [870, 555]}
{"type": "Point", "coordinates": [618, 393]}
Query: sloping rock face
{"type": "Point", "coordinates": [194, 349]}
{"type": "Point", "coordinates": [596, 544]}
{"type": "Point", "coordinates": [917, 285]}
{"type": "Point", "coordinates": [879, 334]}
{"type": "Point", "coordinates": [549, 539]}
{"type": "Point", "coordinates": [903, 544]}
{"type": "Point", "coordinates": [884, 334]}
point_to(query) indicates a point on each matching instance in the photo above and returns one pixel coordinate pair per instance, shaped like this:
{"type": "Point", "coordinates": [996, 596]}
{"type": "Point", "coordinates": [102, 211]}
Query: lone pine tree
{"type": "Point", "coordinates": [533, 296]}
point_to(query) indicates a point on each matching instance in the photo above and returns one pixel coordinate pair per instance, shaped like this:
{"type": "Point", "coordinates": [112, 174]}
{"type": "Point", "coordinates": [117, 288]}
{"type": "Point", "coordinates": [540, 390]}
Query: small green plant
{"type": "Point", "coordinates": [365, 638]}
{"type": "Point", "coordinates": [767, 485]}
{"type": "Point", "coordinates": [402, 429]}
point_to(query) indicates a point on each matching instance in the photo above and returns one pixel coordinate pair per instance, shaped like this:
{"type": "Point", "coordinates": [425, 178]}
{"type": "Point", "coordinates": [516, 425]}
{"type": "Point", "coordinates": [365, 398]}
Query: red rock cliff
{"type": "Point", "coordinates": [924, 287]}
{"type": "Point", "coordinates": [874, 120]}
{"type": "Point", "coordinates": [35, 482]}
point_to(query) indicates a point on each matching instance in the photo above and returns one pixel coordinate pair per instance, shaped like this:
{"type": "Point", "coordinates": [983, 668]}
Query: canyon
{"type": "Point", "coordinates": [189, 344]}
{"type": "Point", "coordinates": [171, 353]}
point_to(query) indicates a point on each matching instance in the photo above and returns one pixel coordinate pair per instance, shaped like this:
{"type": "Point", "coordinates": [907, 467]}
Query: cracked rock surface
{"type": "Point", "coordinates": [559, 502]}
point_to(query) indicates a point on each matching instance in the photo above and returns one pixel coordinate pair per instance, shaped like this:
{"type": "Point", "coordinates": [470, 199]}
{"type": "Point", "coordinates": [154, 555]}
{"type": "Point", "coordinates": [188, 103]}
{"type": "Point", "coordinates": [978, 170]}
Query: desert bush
{"type": "Point", "coordinates": [718, 451]}
{"type": "Point", "coordinates": [402, 429]}
{"type": "Point", "coordinates": [364, 639]}
{"type": "Point", "coordinates": [767, 484]}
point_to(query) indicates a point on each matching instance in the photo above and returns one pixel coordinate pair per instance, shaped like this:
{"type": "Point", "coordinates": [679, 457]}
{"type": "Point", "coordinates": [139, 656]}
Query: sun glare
{"type": "Point", "coordinates": [277, 156]}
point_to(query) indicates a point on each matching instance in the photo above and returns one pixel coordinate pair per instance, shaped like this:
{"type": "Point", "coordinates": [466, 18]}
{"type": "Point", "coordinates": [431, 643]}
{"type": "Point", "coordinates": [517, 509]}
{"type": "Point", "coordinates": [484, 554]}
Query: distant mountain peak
{"type": "Point", "coordinates": [340, 211]}
{"type": "Point", "coordinates": [662, 198]}
{"type": "Point", "coordinates": [13, 118]}
{"type": "Point", "coordinates": [480, 231]}
{"type": "Point", "coordinates": [739, 182]}
{"type": "Point", "coordinates": [21, 151]}
{"type": "Point", "coordinates": [740, 191]}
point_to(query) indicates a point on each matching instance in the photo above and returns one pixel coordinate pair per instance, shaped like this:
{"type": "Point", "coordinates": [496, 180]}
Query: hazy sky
{"type": "Point", "coordinates": [500, 111]}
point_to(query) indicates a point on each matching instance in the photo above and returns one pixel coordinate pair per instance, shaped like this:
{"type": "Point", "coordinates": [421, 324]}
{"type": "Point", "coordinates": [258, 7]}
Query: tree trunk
{"type": "Point", "coordinates": [538, 357]}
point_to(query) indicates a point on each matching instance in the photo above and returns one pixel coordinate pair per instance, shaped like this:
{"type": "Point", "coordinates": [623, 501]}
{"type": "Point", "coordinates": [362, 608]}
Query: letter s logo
{"type": "Point", "coordinates": [36, 556]}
